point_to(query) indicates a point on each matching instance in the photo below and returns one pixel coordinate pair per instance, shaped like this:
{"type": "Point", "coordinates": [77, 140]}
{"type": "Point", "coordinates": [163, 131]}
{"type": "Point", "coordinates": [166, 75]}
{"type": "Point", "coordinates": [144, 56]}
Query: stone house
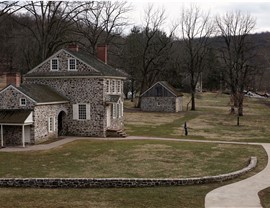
{"type": "Point", "coordinates": [70, 93]}
{"type": "Point", "coordinates": [162, 97]}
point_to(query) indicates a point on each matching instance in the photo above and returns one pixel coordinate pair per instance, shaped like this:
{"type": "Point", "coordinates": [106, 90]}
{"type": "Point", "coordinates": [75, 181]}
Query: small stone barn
{"type": "Point", "coordinates": [162, 97]}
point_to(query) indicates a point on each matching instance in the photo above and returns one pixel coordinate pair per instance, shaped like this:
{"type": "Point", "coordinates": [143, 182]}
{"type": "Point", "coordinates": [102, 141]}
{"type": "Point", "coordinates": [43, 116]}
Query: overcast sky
{"type": "Point", "coordinates": [259, 10]}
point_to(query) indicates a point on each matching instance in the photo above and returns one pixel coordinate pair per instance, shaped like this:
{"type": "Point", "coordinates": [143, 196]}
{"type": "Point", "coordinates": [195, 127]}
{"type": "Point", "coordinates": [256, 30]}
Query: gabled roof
{"type": "Point", "coordinates": [17, 116]}
{"type": "Point", "coordinates": [166, 85]}
{"type": "Point", "coordinates": [41, 93]}
{"type": "Point", "coordinates": [96, 67]}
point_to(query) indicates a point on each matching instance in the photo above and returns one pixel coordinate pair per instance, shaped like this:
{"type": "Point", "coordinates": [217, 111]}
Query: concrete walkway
{"type": "Point", "coordinates": [243, 194]}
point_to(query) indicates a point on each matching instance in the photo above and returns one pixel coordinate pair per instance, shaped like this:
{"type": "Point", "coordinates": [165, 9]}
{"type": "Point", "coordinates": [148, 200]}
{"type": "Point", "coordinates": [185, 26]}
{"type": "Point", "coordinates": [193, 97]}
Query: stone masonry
{"type": "Point", "coordinates": [120, 182]}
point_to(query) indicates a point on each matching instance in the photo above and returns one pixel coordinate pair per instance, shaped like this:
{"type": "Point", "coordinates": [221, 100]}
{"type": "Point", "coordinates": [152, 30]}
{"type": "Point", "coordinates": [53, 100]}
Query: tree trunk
{"type": "Point", "coordinates": [240, 104]}
{"type": "Point", "coordinates": [193, 101]}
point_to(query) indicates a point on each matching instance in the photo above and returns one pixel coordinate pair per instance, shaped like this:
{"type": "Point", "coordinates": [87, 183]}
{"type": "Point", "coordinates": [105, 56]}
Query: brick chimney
{"type": "Point", "coordinates": [102, 53]}
{"type": "Point", "coordinates": [73, 47]}
{"type": "Point", "coordinates": [13, 78]}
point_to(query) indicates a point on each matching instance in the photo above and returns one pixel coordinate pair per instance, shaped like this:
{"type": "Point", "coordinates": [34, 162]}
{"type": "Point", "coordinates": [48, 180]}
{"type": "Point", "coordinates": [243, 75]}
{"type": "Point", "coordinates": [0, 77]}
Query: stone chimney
{"type": "Point", "coordinates": [102, 53]}
{"type": "Point", "coordinates": [73, 47]}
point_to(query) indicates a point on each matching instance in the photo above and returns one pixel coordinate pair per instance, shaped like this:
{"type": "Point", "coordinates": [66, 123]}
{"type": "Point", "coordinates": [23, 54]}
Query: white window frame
{"type": "Point", "coordinates": [75, 64]}
{"type": "Point", "coordinates": [76, 114]}
{"type": "Point", "coordinates": [113, 86]}
{"type": "Point", "coordinates": [118, 86]}
{"type": "Point", "coordinates": [54, 59]}
{"type": "Point", "coordinates": [117, 110]}
{"type": "Point", "coordinates": [22, 102]}
{"type": "Point", "coordinates": [107, 84]}
{"type": "Point", "coordinates": [51, 124]}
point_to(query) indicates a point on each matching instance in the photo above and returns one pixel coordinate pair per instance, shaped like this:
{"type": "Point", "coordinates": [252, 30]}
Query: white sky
{"type": "Point", "coordinates": [260, 10]}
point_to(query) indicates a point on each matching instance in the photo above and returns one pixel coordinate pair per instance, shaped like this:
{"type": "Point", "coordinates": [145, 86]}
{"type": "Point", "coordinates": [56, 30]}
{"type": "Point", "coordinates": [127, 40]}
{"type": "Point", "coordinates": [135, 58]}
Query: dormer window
{"type": "Point", "coordinates": [22, 102]}
{"type": "Point", "coordinates": [54, 64]}
{"type": "Point", "coordinates": [72, 65]}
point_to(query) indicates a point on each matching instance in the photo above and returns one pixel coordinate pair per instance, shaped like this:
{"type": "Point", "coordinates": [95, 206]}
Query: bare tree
{"type": "Point", "coordinates": [196, 30]}
{"type": "Point", "coordinates": [151, 48]}
{"type": "Point", "coordinates": [101, 23]}
{"type": "Point", "coordinates": [237, 54]}
{"type": "Point", "coordinates": [49, 24]}
{"type": "Point", "coordinates": [8, 7]}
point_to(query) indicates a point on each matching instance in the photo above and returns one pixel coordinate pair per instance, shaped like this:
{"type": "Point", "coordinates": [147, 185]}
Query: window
{"type": "Point", "coordinates": [54, 64]}
{"type": "Point", "coordinates": [108, 86]}
{"type": "Point", "coordinates": [117, 110]}
{"type": "Point", "coordinates": [118, 86]}
{"type": "Point", "coordinates": [81, 111]}
{"type": "Point", "coordinates": [22, 102]}
{"type": "Point", "coordinates": [51, 124]}
{"type": "Point", "coordinates": [72, 64]}
{"type": "Point", "coordinates": [112, 86]}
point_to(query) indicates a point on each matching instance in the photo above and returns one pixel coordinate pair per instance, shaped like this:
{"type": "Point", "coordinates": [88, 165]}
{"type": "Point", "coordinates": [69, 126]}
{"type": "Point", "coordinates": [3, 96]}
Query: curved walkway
{"type": "Point", "coordinates": [243, 194]}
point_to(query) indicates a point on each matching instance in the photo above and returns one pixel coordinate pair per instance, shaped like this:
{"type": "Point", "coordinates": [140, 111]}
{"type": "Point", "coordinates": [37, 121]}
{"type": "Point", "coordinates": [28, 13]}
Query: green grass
{"type": "Point", "coordinates": [210, 121]}
{"type": "Point", "coordinates": [149, 159]}
{"type": "Point", "coordinates": [265, 197]}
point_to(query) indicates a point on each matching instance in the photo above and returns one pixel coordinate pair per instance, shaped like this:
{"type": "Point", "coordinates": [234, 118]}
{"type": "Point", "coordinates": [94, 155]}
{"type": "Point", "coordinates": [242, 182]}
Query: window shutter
{"type": "Point", "coordinates": [48, 124]}
{"type": "Point", "coordinates": [75, 112]}
{"type": "Point", "coordinates": [88, 113]}
{"type": "Point", "coordinates": [53, 128]}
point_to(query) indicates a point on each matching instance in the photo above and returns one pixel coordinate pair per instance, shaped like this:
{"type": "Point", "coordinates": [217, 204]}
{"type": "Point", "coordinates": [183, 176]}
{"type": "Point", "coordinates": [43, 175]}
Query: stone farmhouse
{"type": "Point", "coordinates": [162, 97]}
{"type": "Point", "coordinates": [70, 93]}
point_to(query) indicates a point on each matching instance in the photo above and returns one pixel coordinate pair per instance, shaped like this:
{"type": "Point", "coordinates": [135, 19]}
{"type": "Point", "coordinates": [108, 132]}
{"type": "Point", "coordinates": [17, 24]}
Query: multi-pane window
{"type": "Point", "coordinates": [108, 86]}
{"type": "Point", "coordinates": [117, 110]}
{"type": "Point", "coordinates": [72, 64]}
{"type": "Point", "coordinates": [54, 64]}
{"type": "Point", "coordinates": [22, 102]}
{"type": "Point", "coordinates": [112, 86]}
{"type": "Point", "coordinates": [51, 124]}
{"type": "Point", "coordinates": [118, 86]}
{"type": "Point", "coordinates": [82, 111]}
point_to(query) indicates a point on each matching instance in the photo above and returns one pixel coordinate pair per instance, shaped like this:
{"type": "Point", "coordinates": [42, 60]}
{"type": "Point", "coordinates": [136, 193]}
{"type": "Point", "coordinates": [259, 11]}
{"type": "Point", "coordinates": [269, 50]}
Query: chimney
{"type": "Point", "coordinates": [13, 78]}
{"type": "Point", "coordinates": [102, 53]}
{"type": "Point", "coordinates": [73, 47]}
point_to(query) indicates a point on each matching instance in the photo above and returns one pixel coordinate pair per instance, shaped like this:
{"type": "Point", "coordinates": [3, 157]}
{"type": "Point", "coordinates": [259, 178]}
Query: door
{"type": "Point", "coordinates": [108, 115]}
{"type": "Point", "coordinates": [27, 134]}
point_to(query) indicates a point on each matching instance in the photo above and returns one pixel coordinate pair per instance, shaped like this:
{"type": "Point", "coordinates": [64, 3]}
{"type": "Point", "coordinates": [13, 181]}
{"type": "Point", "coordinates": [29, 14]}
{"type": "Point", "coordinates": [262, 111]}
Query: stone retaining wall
{"type": "Point", "coordinates": [119, 182]}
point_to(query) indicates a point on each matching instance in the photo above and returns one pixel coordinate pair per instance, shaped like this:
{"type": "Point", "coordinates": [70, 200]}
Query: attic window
{"type": "Point", "coordinates": [54, 64]}
{"type": "Point", "coordinates": [22, 102]}
{"type": "Point", "coordinates": [72, 64]}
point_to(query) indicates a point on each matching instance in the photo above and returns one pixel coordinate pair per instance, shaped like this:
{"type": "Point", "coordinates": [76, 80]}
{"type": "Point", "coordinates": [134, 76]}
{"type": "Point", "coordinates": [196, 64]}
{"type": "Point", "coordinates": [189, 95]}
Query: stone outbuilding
{"type": "Point", "coordinates": [162, 97]}
{"type": "Point", "coordinates": [70, 93]}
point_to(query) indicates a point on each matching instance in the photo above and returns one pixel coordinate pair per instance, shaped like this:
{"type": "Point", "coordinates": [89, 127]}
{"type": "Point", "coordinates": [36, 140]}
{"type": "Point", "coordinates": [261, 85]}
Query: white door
{"type": "Point", "coordinates": [108, 115]}
{"type": "Point", "coordinates": [27, 134]}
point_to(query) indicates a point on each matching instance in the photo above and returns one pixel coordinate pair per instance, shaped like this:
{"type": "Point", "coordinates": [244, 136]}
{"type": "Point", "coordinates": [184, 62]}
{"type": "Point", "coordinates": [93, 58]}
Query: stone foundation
{"type": "Point", "coordinates": [119, 182]}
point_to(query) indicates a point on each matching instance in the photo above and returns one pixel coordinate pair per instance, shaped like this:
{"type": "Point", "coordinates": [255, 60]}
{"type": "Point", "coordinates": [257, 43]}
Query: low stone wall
{"type": "Point", "coordinates": [119, 182]}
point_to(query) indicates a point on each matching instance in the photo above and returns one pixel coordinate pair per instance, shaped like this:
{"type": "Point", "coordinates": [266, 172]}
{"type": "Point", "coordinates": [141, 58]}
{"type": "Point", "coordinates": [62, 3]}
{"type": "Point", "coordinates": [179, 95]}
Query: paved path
{"type": "Point", "coordinates": [243, 194]}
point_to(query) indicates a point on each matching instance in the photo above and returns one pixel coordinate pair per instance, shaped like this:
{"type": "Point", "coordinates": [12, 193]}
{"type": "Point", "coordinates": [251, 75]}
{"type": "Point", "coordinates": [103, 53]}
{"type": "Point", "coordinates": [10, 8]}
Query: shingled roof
{"type": "Point", "coordinates": [14, 116]}
{"type": "Point", "coordinates": [41, 93]}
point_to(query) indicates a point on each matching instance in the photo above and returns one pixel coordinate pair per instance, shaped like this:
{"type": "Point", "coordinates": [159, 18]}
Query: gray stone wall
{"type": "Point", "coordinates": [85, 91]}
{"type": "Point", "coordinates": [12, 135]}
{"type": "Point", "coordinates": [158, 104]}
{"type": "Point", "coordinates": [10, 99]}
{"type": "Point", "coordinates": [120, 182]}
{"type": "Point", "coordinates": [42, 113]}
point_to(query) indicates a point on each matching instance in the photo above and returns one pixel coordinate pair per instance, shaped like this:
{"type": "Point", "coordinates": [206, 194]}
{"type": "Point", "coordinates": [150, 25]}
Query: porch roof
{"type": "Point", "coordinates": [112, 98]}
{"type": "Point", "coordinates": [17, 116]}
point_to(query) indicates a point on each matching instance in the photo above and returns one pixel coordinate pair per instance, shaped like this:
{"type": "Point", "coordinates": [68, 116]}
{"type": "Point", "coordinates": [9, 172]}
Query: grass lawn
{"type": "Point", "coordinates": [95, 158]}
{"type": "Point", "coordinates": [123, 159]}
{"type": "Point", "coordinates": [265, 197]}
{"type": "Point", "coordinates": [211, 121]}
